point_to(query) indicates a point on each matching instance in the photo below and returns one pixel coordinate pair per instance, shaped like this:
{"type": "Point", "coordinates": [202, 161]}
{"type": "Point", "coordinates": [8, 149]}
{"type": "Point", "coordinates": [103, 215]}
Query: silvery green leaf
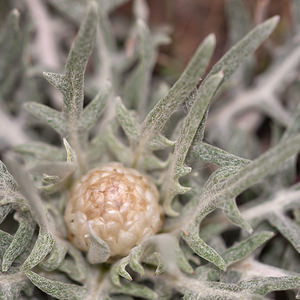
{"type": "Point", "coordinates": [239, 20]}
{"type": "Point", "coordinates": [7, 182]}
{"type": "Point", "coordinates": [99, 251]}
{"type": "Point", "coordinates": [57, 80]}
{"type": "Point", "coordinates": [232, 212]}
{"type": "Point", "coordinates": [134, 289]}
{"type": "Point", "coordinates": [57, 289]}
{"type": "Point", "coordinates": [187, 134]}
{"type": "Point", "coordinates": [96, 149]}
{"type": "Point", "coordinates": [151, 162]}
{"type": "Point", "coordinates": [182, 261]}
{"type": "Point", "coordinates": [260, 167]}
{"type": "Point", "coordinates": [4, 211]}
{"type": "Point", "coordinates": [239, 52]}
{"type": "Point", "coordinates": [5, 241]}
{"type": "Point", "coordinates": [60, 169]}
{"type": "Point", "coordinates": [158, 116]}
{"type": "Point", "coordinates": [119, 269]}
{"type": "Point", "coordinates": [246, 247]}
{"type": "Point", "coordinates": [127, 121]}
{"type": "Point", "coordinates": [75, 268]}
{"type": "Point", "coordinates": [160, 142]}
{"type": "Point", "coordinates": [42, 247]}
{"type": "Point", "coordinates": [20, 241]}
{"type": "Point", "coordinates": [216, 192]}
{"type": "Point", "coordinates": [117, 148]}
{"type": "Point", "coordinates": [203, 250]}
{"type": "Point", "coordinates": [41, 151]}
{"type": "Point", "coordinates": [135, 257]}
{"type": "Point", "coordinates": [287, 227]}
{"type": "Point", "coordinates": [215, 155]}
{"type": "Point", "coordinates": [92, 112]}
{"type": "Point", "coordinates": [136, 89]}
{"type": "Point", "coordinates": [28, 191]}
{"type": "Point", "coordinates": [264, 285]}
{"type": "Point", "coordinates": [76, 63]}
{"type": "Point", "coordinates": [48, 115]}
{"type": "Point", "coordinates": [55, 258]}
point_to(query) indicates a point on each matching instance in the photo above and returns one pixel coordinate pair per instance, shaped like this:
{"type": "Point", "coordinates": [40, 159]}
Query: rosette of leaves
{"type": "Point", "coordinates": [189, 257]}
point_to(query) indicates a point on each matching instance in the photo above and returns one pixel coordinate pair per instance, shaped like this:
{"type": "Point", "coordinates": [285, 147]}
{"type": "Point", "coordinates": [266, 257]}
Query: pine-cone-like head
{"type": "Point", "coordinates": [120, 204]}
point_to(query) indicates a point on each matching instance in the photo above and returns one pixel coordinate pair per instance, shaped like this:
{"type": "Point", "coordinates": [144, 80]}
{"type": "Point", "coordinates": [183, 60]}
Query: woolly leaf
{"type": "Point", "coordinates": [119, 269]}
{"type": "Point", "coordinates": [40, 151]}
{"type": "Point", "coordinates": [74, 267]}
{"type": "Point", "coordinates": [136, 290]}
{"type": "Point", "coordinates": [99, 251]}
{"type": "Point", "coordinates": [42, 247]}
{"type": "Point", "coordinates": [232, 212]}
{"type": "Point", "coordinates": [4, 211]}
{"type": "Point", "coordinates": [57, 80]}
{"type": "Point", "coordinates": [7, 182]}
{"type": "Point", "coordinates": [129, 124]}
{"type": "Point", "coordinates": [246, 247]}
{"type": "Point", "coordinates": [134, 260]}
{"type": "Point", "coordinates": [237, 54]}
{"type": "Point", "coordinates": [203, 250]}
{"type": "Point", "coordinates": [57, 289]}
{"type": "Point", "coordinates": [288, 228]}
{"type": "Point", "coordinates": [120, 151]}
{"type": "Point", "coordinates": [48, 115]}
{"type": "Point", "coordinates": [239, 20]}
{"type": "Point", "coordinates": [137, 86]}
{"type": "Point", "coordinates": [20, 241]}
{"type": "Point", "coordinates": [264, 285]}
{"type": "Point", "coordinates": [92, 112]}
{"type": "Point", "coordinates": [76, 63]}
{"type": "Point", "coordinates": [215, 155]}
{"type": "Point", "coordinates": [55, 258]}
{"type": "Point", "coordinates": [158, 116]}
{"type": "Point", "coordinates": [188, 131]}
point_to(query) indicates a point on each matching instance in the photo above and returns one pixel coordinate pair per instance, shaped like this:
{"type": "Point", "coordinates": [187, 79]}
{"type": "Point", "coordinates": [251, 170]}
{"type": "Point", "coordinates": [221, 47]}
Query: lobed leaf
{"type": "Point", "coordinates": [158, 116]}
{"type": "Point", "coordinates": [188, 131]}
{"type": "Point", "coordinates": [204, 250]}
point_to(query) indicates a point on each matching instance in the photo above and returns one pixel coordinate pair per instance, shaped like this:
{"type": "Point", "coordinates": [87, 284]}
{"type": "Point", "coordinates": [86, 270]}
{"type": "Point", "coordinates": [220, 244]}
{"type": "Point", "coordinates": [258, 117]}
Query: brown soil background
{"type": "Point", "coordinates": [192, 20]}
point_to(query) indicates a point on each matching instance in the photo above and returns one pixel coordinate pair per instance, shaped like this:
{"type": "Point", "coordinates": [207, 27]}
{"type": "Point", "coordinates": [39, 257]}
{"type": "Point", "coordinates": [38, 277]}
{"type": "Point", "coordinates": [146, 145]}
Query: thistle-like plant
{"type": "Point", "coordinates": [89, 213]}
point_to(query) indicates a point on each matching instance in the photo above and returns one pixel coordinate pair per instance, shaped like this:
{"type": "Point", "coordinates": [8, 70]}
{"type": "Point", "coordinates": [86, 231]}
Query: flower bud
{"type": "Point", "coordinates": [120, 205]}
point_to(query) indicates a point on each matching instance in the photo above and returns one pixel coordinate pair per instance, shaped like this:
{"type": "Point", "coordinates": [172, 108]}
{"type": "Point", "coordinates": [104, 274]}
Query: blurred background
{"type": "Point", "coordinates": [192, 20]}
